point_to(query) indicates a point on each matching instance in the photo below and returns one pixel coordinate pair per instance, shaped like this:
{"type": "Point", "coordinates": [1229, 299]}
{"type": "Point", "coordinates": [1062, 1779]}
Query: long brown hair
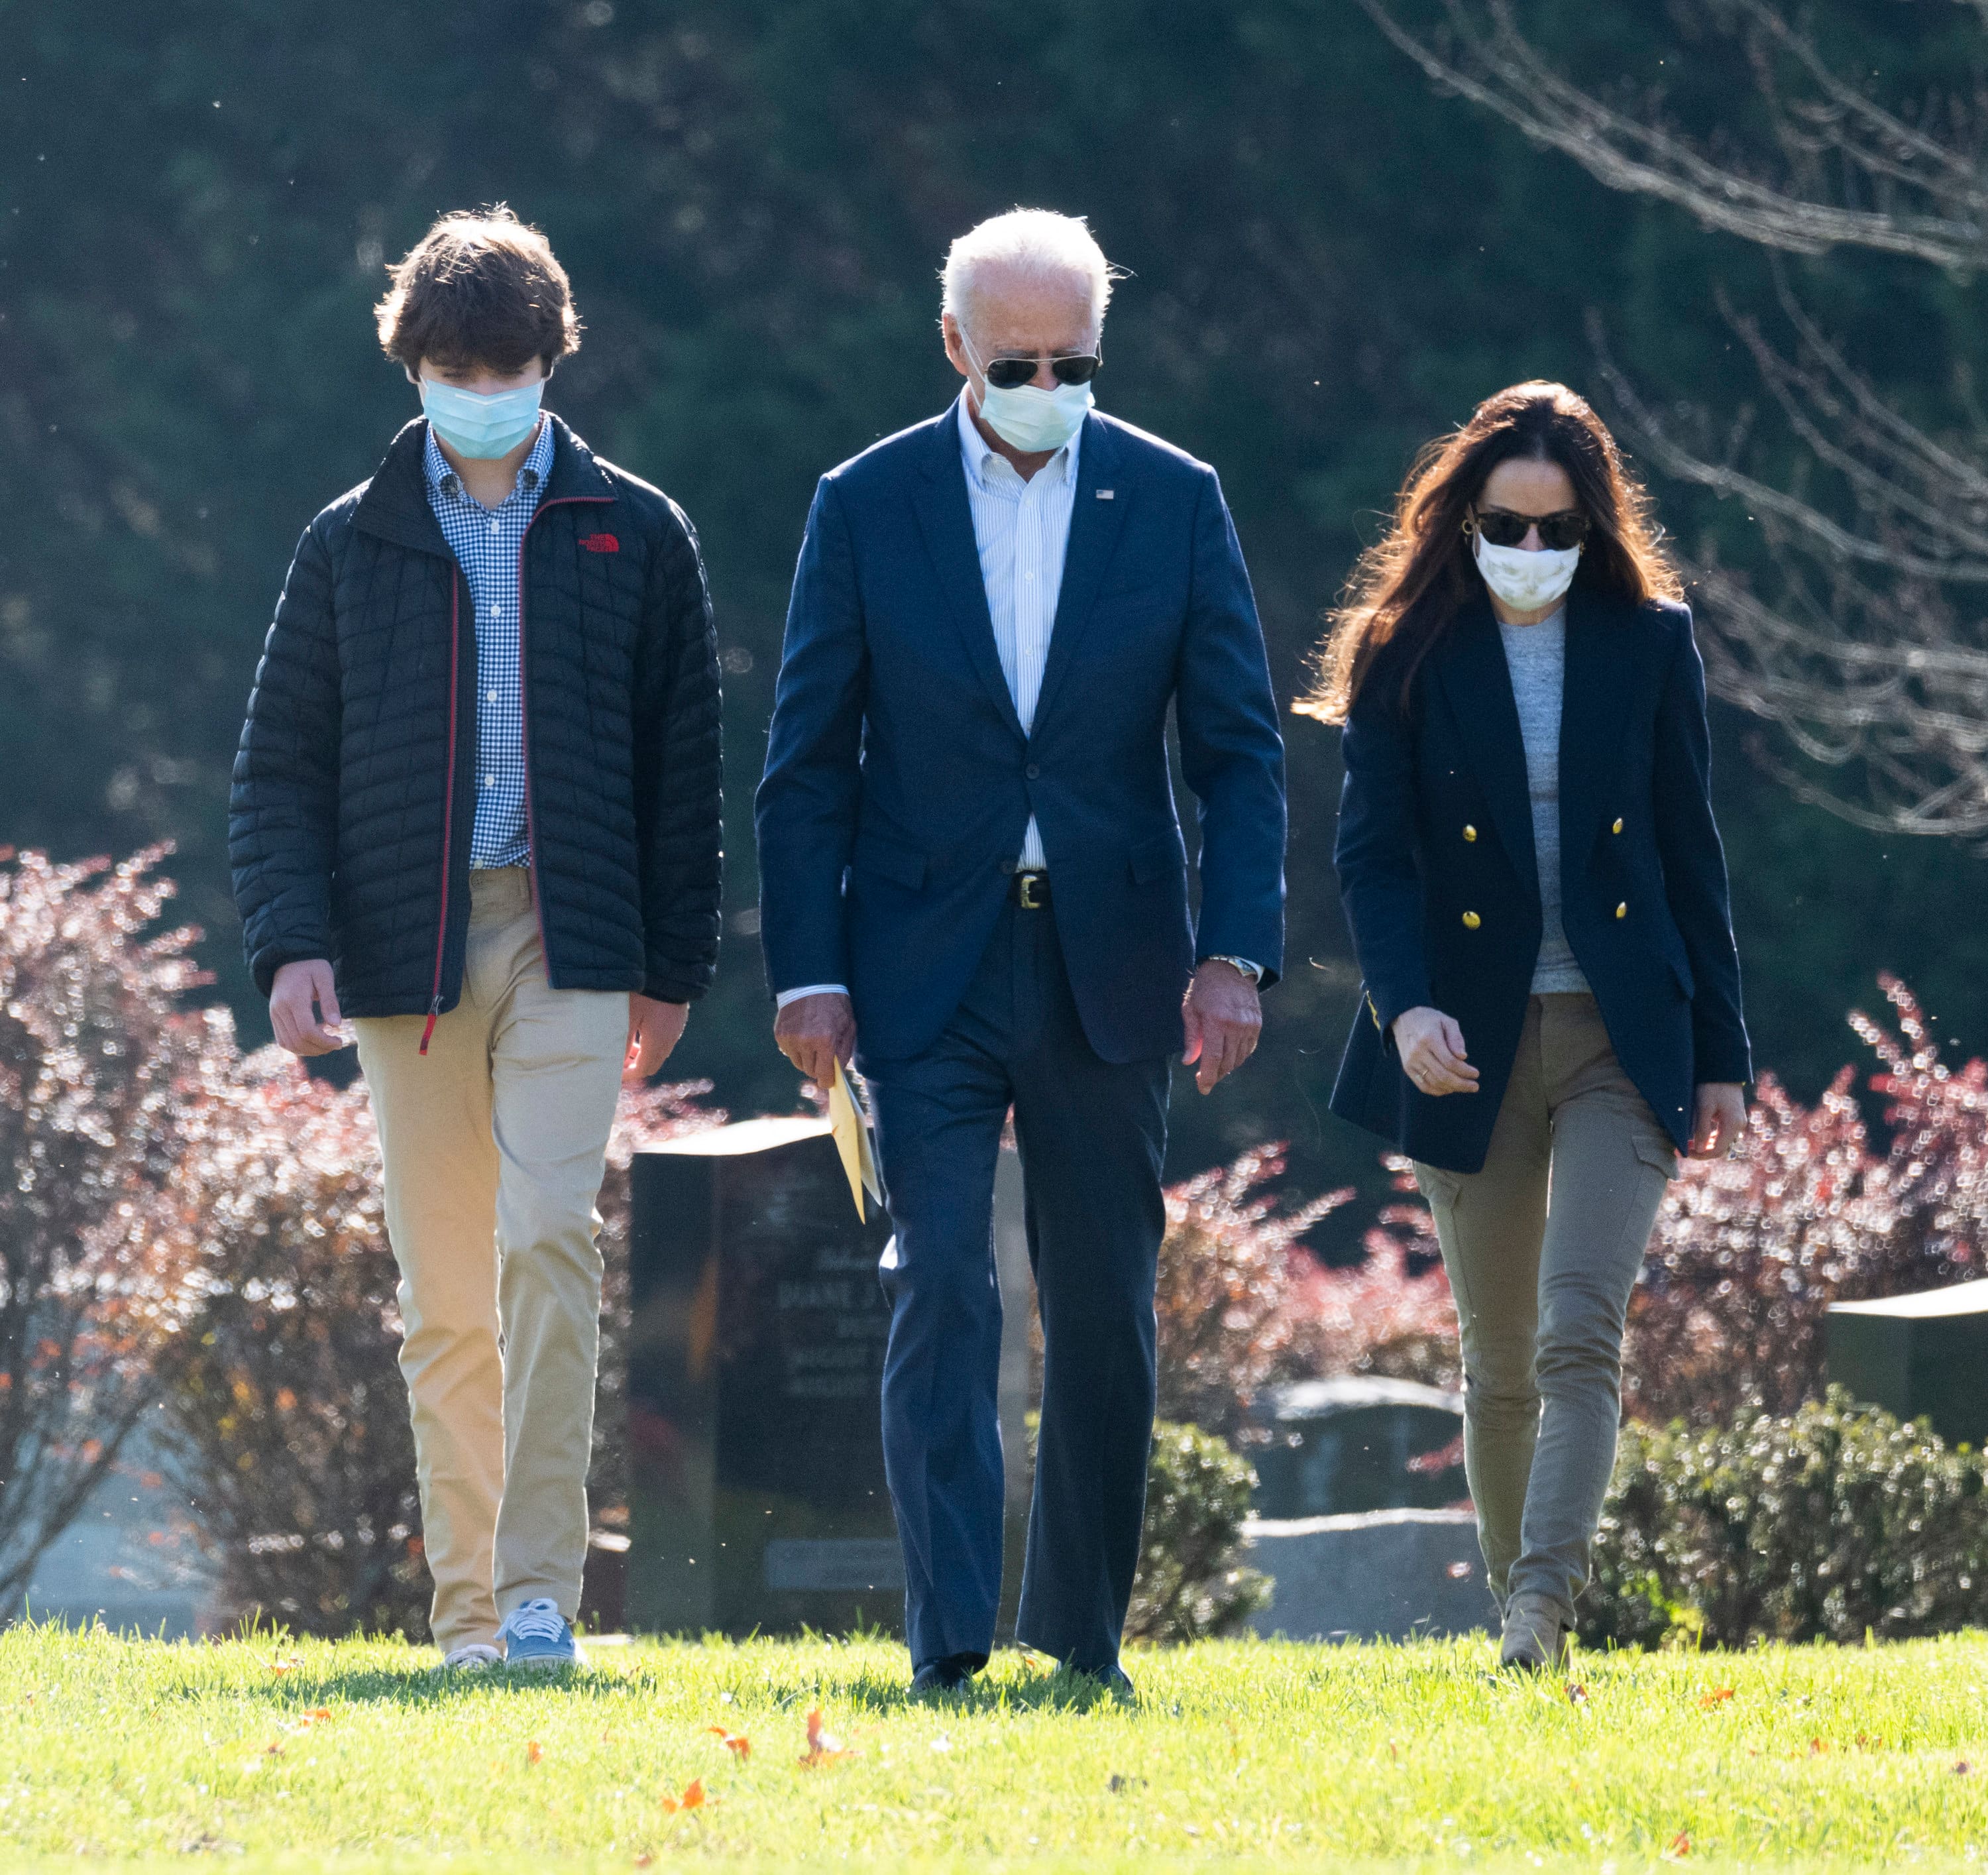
{"type": "Point", "coordinates": [1413, 582]}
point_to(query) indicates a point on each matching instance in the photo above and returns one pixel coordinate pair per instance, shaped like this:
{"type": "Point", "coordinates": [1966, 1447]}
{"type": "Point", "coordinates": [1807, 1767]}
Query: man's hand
{"type": "Point", "coordinates": [1224, 1020]}
{"type": "Point", "coordinates": [1721, 1119]}
{"type": "Point", "coordinates": [303, 1009]}
{"type": "Point", "coordinates": [814, 1032]}
{"type": "Point", "coordinates": [1433, 1056]}
{"type": "Point", "coordinates": [654, 1029]}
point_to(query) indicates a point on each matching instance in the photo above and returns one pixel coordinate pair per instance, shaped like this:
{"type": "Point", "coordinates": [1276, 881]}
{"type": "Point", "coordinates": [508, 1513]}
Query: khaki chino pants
{"type": "Point", "coordinates": [1543, 1247]}
{"type": "Point", "coordinates": [495, 1144]}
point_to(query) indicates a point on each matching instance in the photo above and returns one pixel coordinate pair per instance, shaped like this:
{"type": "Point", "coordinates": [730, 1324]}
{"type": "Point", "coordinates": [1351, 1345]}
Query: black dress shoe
{"type": "Point", "coordinates": [953, 1674]}
{"type": "Point", "coordinates": [1112, 1679]}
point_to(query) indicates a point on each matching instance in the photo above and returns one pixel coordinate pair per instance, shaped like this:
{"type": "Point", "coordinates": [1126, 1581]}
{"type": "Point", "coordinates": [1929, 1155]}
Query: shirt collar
{"type": "Point", "coordinates": [973, 448]}
{"type": "Point", "coordinates": [538, 463]}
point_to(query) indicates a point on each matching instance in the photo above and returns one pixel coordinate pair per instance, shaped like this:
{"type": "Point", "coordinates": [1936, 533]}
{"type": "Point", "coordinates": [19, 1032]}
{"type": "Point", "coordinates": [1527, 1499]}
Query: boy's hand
{"type": "Point", "coordinates": [303, 1009]}
{"type": "Point", "coordinates": [654, 1029]}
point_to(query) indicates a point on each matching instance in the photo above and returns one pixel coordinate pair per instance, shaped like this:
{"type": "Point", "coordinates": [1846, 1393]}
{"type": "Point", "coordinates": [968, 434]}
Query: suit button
{"type": "Point", "coordinates": [1622, 911]}
{"type": "Point", "coordinates": [1470, 921]}
{"type": "Point", "coordinates": [1617, 829]}
{"type": "Point", "coordinates": [1033, 772]}
{"type": "Point", "coordinates": [1470, 833]}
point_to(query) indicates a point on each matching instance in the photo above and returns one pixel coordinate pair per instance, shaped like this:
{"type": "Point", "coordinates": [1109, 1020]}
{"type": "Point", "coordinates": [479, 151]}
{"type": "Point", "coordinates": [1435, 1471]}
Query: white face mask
{"type": "Point", "coordinates": [1029, 418]}
{"type": "Point", "coordinates": [1526, 581]}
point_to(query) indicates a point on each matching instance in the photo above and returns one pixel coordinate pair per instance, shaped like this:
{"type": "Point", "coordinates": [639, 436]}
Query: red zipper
{"type": "Point", "coordinates": [525, 708]}
{"type": "Point", "coordinates": [448, 791]}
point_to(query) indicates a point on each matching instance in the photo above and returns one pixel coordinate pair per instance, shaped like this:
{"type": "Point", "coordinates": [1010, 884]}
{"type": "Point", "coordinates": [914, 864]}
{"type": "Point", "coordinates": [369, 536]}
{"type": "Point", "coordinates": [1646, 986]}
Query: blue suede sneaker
{"type": "Point", "coordinates": [536, 1635]}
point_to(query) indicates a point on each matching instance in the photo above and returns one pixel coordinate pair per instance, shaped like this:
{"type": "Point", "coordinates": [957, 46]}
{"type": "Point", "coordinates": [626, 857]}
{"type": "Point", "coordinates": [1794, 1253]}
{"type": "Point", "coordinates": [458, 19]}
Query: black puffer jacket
{"type": "Point", "coordinates": [349, 818]}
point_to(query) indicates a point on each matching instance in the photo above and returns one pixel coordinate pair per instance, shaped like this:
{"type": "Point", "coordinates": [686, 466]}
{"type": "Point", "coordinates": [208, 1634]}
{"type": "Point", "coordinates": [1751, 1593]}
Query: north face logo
{"type": "Point", "coordinates": [600, 543]}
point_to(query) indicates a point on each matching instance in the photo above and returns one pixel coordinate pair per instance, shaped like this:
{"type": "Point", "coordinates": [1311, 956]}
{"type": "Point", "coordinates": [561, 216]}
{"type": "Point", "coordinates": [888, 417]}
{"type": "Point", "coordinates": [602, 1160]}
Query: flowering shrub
{"type": "Point", "coordinates": [1748, 1254]}
{"type": "Point", "coordinates": [1233, 1317]}
{"type": "Point", "coordinates": [289, 1429]}
{"type": "Point", "coordinates": [103, 1077]}
{"type": "Point", "coordinates": [1392, 1315]}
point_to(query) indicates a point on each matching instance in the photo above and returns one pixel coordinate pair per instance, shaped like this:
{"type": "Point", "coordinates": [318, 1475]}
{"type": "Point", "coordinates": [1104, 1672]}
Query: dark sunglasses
{"type": "Point", "coordinates": [1011, 374]}
{"type": "Point", "coordinates": [1502, 528]}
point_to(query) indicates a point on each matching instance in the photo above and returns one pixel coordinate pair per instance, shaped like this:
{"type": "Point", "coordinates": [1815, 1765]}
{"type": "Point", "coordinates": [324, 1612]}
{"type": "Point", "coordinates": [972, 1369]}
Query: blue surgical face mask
{"type": "Point", "coordinates": [482, 425]}
{"type": "Point", "coordinates": [1029, 418]}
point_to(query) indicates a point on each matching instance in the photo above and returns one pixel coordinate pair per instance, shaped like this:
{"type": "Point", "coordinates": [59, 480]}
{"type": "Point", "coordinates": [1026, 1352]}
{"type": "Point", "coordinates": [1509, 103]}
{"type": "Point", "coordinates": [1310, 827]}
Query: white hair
{"type": "Point", "coordinates": [1033, 246]}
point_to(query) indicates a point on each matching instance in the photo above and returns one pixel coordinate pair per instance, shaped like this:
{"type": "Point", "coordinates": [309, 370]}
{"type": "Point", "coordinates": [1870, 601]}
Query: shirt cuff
{"type": "Point", "coordinates": [794, 995]}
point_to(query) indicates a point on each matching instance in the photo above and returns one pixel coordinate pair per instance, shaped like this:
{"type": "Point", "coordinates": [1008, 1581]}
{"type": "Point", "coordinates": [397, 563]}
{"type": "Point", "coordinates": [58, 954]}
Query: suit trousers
{"type": "Point", "coordinates": [1543, 1247]}
{"type": "Point", "coordinates": [1092, 1135]}
{"type": "Point", "coordinates": [495, 1144]}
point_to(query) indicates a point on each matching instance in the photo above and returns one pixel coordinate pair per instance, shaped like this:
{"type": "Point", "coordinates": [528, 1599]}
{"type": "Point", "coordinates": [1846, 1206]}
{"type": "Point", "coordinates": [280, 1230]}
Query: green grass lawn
{"type": "Point", "coordinates": [311, 1756]}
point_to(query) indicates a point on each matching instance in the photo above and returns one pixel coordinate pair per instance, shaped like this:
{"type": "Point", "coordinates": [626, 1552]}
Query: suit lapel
{"type": "Point", "coordinates": [1593, 702]}
{"type": "Point", "coordinates": [947, 523]}
{"type": "Point", "coordinates": [1478, 683]}
{"type": "Point", "coordinates": [1094, 527]}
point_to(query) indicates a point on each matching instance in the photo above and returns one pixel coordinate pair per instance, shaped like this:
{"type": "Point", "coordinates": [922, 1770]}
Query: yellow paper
{"type": "Point", "coordinates": [852, 1141]}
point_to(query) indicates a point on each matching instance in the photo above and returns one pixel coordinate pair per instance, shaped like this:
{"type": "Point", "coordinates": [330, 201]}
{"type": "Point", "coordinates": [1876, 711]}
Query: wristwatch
{"type": "Point", "coordinates": [1251, 973]}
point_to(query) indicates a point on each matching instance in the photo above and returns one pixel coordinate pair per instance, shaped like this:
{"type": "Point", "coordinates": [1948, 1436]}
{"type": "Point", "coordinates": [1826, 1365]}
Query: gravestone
{"type": "Point", "coordinates": [1379, 1575]}
{"type": "Point", "coordinates": [1338, 1448]}
{"type": "Point", "coordinates": [757, 1497]}
{"type": "Point", "coordinates": [1917, 1355]}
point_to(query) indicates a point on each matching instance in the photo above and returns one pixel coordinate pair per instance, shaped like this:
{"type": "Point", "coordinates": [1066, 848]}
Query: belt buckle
{"type": "Point", "coordinates": [1025, 891]}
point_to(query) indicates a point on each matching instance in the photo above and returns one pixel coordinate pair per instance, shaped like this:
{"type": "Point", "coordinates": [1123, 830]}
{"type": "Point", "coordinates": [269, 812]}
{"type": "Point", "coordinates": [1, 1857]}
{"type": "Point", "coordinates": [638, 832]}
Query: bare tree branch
{"type": "Point", "coordinates": [1871, 657]}
{"type": "Point", "coordinates": [1878, 681]}
{"type": "Point", "coordinates": [1483, 56]}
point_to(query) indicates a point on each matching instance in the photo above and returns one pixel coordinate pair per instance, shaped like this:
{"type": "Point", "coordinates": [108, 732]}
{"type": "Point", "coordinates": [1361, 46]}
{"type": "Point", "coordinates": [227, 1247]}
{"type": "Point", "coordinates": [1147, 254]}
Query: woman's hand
{"type": "Point", "coordinates": [1721, 1119]}
{"type": "Point", "coordinates": [1432, 1052]}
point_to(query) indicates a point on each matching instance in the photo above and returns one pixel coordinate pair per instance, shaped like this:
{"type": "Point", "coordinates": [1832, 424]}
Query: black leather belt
{"type": "Point", "coordinates": [1031, 891]}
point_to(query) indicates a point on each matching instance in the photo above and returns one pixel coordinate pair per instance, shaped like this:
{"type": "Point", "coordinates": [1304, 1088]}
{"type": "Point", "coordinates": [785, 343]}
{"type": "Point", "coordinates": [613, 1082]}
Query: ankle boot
{"type": "Point", "coordinates": [1535, 1636]}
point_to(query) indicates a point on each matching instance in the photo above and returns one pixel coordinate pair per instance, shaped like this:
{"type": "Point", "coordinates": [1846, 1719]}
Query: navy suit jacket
{"type": "Point", "coordinates": [899, 782]}
{"type": "Point", "coordinates": [1437, 876]}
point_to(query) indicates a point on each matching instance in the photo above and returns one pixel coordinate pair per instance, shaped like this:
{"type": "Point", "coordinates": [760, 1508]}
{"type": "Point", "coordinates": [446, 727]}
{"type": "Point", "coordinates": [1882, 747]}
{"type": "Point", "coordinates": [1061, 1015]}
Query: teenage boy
{"type": "Point", "coordinates": [475, 812]}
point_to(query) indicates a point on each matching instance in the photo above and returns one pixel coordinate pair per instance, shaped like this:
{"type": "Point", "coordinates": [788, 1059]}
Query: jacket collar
{"type": "Point", "coordinates": [946, 519]}
{"type": "Point", "coordinates": [395, 506]}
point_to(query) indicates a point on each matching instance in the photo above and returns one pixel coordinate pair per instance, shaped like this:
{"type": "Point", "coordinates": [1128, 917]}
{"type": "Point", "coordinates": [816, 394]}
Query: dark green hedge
{"type": "Point", "coordinates": [1834, 1523]}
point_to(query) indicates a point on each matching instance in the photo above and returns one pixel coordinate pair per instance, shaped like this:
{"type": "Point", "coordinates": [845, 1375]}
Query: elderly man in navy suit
{"type": "Point", "coordinates": [973, 884]}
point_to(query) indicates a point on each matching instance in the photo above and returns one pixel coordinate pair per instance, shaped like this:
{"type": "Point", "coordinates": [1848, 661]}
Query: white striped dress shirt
{"type": "Point", "coordinates": [1022, 529]}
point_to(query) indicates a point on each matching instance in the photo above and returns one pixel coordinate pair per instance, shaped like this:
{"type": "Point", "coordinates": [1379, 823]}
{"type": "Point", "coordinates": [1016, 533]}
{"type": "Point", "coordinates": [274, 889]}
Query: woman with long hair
{"type": "Point", "coordinates": [1537, 898]}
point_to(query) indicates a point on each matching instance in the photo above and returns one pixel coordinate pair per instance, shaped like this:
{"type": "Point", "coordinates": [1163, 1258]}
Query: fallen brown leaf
{"type": "Point", "coordinates": [534, 1751]}
{"type": "Point", "coordinates": [736, 1742]}
{"type": "Point", "coordinates": [1680, 1846]}
{"type": "Point", "coordinates": [691, 1799]}
{"type": "Point", "coordinates": [824, 1747]}
{"type": "Point", "coordinates": [1717, 1696]}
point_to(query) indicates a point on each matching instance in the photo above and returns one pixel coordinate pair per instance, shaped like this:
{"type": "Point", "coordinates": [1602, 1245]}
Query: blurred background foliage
{"type": "Point", "coordinates": [1329, 263]}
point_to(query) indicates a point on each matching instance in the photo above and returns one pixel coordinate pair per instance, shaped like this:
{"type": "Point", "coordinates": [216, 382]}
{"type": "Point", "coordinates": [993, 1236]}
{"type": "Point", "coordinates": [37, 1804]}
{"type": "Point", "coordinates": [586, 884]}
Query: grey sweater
{"type": "Point", "coordinates": [1537, 657]}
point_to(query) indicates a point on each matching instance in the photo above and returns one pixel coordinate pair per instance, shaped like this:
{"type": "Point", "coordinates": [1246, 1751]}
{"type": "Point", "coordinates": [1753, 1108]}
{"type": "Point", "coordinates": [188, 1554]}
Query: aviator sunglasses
{"type": "Point", "coordinates": [1502, 528]}
{"type": "Point", "coordinates": [1011, 374]}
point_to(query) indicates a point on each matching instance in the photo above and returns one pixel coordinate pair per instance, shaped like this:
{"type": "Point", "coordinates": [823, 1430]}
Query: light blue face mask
{"type": "Point", "coordinates": [482, 425]}
{"type": "Point", "coordinates": [1029, 418]}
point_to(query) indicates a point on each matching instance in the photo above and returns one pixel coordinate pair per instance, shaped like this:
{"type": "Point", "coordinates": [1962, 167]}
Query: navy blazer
{"type": "Point", "coordinates": [899, 782]}
{"type": "Point", "coordinates": [1437, 872]}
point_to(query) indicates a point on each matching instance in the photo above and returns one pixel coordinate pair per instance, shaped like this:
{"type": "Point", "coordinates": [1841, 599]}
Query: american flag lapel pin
{"type": "Point", "coordinates": [1106, 494]}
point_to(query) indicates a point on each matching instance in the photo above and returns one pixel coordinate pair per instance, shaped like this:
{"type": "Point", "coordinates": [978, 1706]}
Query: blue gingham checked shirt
{"type": "Point", "coordinates": [486, 542]}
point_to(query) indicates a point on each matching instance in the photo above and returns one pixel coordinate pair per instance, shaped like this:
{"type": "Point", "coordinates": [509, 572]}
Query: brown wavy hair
{"type": "Point", "coordinates": [1414, 581]}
